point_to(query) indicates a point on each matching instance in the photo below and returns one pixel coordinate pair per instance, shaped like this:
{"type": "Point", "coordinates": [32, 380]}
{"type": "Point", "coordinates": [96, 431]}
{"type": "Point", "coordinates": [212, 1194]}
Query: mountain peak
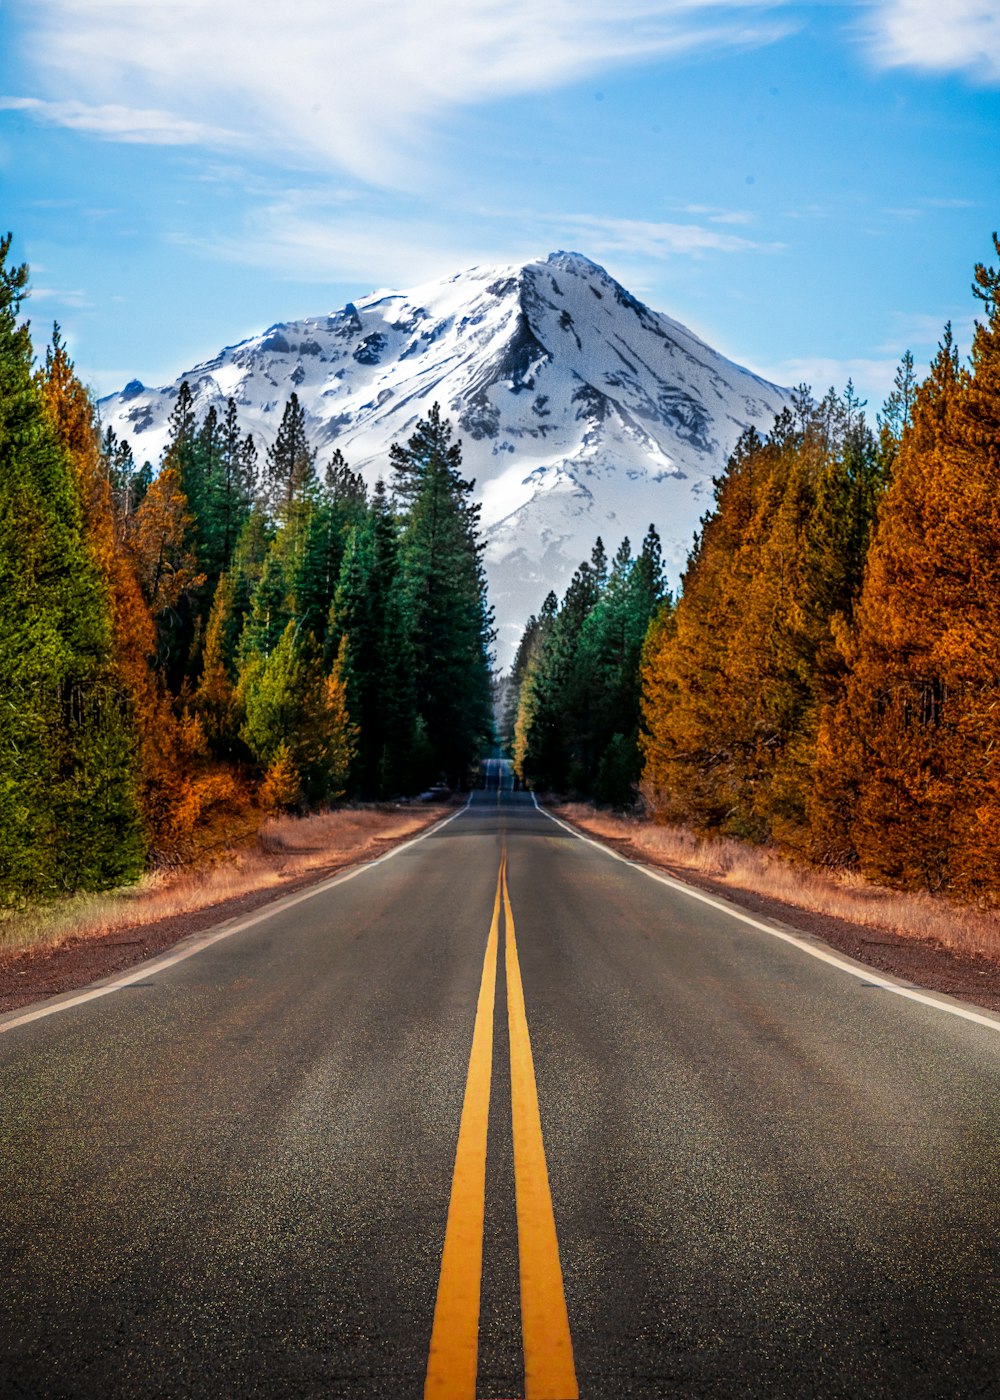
{"type": "Point", "coordinates": [575, 262]}
{"type": "Point", "coordinates": [581, 411]}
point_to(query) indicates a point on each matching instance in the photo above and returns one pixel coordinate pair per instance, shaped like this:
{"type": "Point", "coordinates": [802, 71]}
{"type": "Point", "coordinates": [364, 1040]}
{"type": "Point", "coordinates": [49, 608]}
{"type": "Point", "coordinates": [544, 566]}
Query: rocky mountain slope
{"type": "Point", "coordinates": [581, 411]}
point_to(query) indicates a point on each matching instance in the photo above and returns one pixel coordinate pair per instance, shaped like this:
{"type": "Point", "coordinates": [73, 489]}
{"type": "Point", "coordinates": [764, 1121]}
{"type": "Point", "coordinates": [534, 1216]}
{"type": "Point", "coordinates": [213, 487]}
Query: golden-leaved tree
{"type": "Point", "coordinates": [909, 764]}
{"type": "Point", "coordinates": [734, 685]}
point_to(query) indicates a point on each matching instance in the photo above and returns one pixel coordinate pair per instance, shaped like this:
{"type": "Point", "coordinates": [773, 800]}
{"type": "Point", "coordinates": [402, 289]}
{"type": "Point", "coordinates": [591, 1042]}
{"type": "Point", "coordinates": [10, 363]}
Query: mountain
{"type": "Point", "coordinates": [581, 411]}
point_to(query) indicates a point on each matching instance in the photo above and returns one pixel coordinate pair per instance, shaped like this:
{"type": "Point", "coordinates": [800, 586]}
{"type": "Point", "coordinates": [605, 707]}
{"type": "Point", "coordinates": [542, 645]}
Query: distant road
{"type": "Point", "coordinates": [685, 1157]}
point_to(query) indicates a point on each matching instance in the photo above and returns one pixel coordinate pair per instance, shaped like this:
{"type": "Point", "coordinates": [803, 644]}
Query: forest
{"type": "Point", "coordinates": [828, 680]}
{"type": "Point", "coordinates": [187, 648]}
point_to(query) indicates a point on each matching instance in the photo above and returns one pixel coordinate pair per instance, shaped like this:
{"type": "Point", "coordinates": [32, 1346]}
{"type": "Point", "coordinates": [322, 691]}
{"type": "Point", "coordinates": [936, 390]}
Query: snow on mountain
{"type": "Point", "coordinates": [581, 411]}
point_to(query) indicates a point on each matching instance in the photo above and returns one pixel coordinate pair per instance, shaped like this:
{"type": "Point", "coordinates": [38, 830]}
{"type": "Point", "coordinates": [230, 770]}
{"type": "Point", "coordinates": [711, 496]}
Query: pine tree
{"type": "Point", "coordinates": [556, 748]}
{"type": "Point", "coordinates": [288, 700]}
{"type": "Point", "coordinates": [237, 486]}
{"type": "Point", "coordinates": [128, 482]}
{"type": "Point", "coordinates": [613, 639]}
{"type": "Point", "coordinates": [168, 570]}
{"type": "Point", "coordinates": [444, 596]}
{"type": "Point", "coordinates": [68, 816]}
{"type": "Point", "coordinates": [290, 462]}
{"type": "Point", "coordinates": [281, 790]}
{"type": "Point", "coordinates": [735, 688]}
{"type": "Point", "coordinates": [377, 656]}
{"type": "Point", "coordinates": [527, 665]}
{"type": "Point", "coordinates": [160, 774]}
{"type": "Point", "coordinates": [910, 764]}
{"type": "Point", "coordinates": [215, 697]}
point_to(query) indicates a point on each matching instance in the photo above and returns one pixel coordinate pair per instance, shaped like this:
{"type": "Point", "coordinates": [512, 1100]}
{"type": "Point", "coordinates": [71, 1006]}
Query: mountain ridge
{"type": "Point", "coordinates": [581, 410]}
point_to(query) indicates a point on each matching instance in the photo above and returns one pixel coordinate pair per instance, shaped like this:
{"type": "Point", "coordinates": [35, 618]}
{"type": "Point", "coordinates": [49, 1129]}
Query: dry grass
{"type": "Point", "coordinates": [285, 849]}
{"type": "Point", "coordinates": [930, 918]}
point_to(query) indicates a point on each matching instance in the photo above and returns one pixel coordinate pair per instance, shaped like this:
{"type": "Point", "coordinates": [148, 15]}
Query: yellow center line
{"type": "Point", "coordinates": [454, 1350]}
{"type": "Point", "coordinates": [549, 1372]}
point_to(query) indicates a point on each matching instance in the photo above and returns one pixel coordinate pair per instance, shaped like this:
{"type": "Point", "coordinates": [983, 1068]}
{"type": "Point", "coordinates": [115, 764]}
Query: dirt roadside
{"type": "Point", "coordinates": [33, 974]}
{"type": "Point", "coordinates": [923, 963]}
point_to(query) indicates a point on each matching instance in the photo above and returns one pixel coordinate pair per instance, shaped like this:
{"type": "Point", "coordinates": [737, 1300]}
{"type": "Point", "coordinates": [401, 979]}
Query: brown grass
{"type": "Point", "coordinates": [284, 849]}
{"type": "Point", "coordinates": [841, 895]}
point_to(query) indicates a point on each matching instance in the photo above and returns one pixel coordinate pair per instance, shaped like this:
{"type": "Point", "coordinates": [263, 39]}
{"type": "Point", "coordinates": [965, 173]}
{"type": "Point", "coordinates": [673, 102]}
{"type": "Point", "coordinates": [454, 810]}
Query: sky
{"type": "Point", "coordinates": [807, 186]}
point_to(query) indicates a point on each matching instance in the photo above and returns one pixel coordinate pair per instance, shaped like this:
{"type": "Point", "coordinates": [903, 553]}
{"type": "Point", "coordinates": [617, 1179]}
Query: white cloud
{"type": "Point", "coordinates": [937, 36]}
{"type": "Point", "coordinates": [305, 236]}
{"type": "Point", "coordinates": [78, 300]}
{"type": "Point", "coordinates": [658, 239]}
{"type": "Point", "coordinates": [872, 376]}
{"type": "Point", "coordinates": [300, 236]}
{"type": "Point", "coordinates": [720, 216]}
{"type": "Point", "coordinates": [119, 123]}
{"type": "Point", "coordinates": [356, 83]}
{"type": "Point", "coordinates": [922, 331]}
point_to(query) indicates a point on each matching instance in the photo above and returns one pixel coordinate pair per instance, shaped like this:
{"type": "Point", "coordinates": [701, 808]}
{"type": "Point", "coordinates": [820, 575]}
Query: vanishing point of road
{"type": "Point", "coordinates": [499, 1115]}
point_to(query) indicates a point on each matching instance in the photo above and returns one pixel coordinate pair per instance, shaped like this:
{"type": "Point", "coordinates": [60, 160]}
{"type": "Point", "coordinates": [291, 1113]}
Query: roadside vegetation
{"type": "Point", "coordinates": [188, 649]}
{"type": "Point", "coordinates": [286, 849]}
{"type": "Point", "coordinates": [827, 685]}
{"type": "Point", "coordinates": [736, 866]}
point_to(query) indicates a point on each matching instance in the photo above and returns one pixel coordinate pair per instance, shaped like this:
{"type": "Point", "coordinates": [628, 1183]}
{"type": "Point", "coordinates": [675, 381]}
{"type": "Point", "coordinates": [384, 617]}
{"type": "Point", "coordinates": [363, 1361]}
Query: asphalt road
{"type": "Point", "coordinates": [761, 1175]}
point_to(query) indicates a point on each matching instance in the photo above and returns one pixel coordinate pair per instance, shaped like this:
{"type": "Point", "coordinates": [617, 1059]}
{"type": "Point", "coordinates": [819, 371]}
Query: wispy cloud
{"type": "Point", "coordinates": [872, 375]}
{"type": "Point", "coordinates": [936, 37]}
{"type": "Point", "coordinates": [920, 331]}
{"type": "Point", "coordinates": [76, 299]}
{"type": "Point", "coordinates": [356, 84]}
{"type": "Point", "coordinates": [720, 216]}
{"type": "Point", "coordinates": [116, 122]}
{"type": "Point", "coordinates": [301, 236]}
{"type": "Point", "coordinates": [350, 237]}
{"type": "Point", "coordinates": [659, 239]}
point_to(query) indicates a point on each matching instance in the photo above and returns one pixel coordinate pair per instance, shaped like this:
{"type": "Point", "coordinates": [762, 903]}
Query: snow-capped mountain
{"type": "Point", "coordinates": [581, 411]}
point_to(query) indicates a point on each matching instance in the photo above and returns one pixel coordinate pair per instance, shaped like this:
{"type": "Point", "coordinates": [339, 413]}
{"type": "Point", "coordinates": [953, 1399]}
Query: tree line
{"type": "Point", "coordinates": [828, 680]}
{"type": "Point", "coordinates": [572, 716]}
{"type": "Point", "coordinates": [182, 648]}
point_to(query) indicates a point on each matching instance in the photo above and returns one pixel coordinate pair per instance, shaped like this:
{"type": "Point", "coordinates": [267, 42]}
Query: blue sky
{"type": "Point", "coordinates": [808, 186]}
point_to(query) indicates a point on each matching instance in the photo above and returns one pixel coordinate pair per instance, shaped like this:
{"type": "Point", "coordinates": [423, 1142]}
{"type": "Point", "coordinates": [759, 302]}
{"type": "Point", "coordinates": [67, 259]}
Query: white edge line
{"type": "Point", "coordinates": [858, 970]}
{"type": "Point", "coordinates": [202, 941]}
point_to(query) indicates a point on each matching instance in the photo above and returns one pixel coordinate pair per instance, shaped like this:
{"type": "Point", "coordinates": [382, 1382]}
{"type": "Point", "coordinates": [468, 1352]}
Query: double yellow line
{"type": "Point", "coordinates": [549, 1373]}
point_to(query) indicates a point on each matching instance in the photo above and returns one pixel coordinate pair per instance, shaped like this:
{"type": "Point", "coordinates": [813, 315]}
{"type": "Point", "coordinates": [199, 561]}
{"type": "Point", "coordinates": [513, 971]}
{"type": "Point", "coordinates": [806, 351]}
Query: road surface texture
{"type": "Point", "coordinates": [499, 1115]}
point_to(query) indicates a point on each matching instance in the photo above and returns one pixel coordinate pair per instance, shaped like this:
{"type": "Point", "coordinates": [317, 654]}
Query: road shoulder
{"type": "Point", "coordinates": [970, 979]}
{"type": "Point", "coordinates": [44, 971]}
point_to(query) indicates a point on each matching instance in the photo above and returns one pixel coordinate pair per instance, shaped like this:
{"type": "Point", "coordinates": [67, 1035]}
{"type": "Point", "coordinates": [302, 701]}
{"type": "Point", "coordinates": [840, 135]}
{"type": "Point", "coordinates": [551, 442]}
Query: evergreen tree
{"type": "Point", "coordinates": [735, 687]}
{"type": "Point", "coordinates": [909, 760]}
{"type": "Point", "coordinates": [161, 771]}
{"type": "Point", "coordinates": [290, 462]}
{"type": "Point", "coordinates": [526, 666]}
{"type": "Point", "coordinates": [128, 483]}
{"type": "Point", "coordinates": [558, 742]}
{"type": "Point", "coordinates": [237, 486]}
{"type": "Point", "coordinates": [369, 615]}
{"type": "Point", "coordinates": [298, 714]}
{"type": "Point", "coordinates": [444, 596]}
{"type": "Point", "coordinates": [68, 814]}
{"type": "Point", "coordinates": [168, 570]}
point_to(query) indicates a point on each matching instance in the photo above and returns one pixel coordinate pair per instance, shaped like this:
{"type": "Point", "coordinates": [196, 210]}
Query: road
{"type": "Point", "coordinates": [499, 1116]}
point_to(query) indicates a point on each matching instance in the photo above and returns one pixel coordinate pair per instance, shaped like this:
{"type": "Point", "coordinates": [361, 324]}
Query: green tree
{"type": "Point", "coordinates": [290, 465]}
{"type": "Point", "coordinates": [368, 613]}
{"type": "Point", "coordinates": [289, 702]}
{"type": "Point", "coordinates": [444, 596]}
{"type": "Point", "coordinates": [557, 745]}
{"type": "Point", "coordinates": [68, 811]}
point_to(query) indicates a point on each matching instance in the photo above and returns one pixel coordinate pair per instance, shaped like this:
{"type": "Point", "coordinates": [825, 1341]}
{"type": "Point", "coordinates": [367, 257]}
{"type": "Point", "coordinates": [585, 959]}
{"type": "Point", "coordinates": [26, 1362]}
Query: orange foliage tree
{"type": "Point", "coordinates": [909, 765]}
{"type": "Point", "coordinates": [734, 682]}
